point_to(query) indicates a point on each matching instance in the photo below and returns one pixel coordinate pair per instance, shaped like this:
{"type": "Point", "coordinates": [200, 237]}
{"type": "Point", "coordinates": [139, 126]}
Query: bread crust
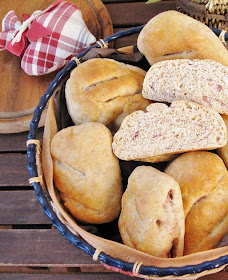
{"type": "Point", "coordinates": [223, 151]}
{"type": "Point", "coordinates": [82, 158]}
{"type": "Point", "coordinates": [172, 35]}
{"type": "Point", "coordinates": [104, 90]}
{"type": "Point", "coordinates": [163, 130]}
{"type": "Point", "coordinates": [203, 180]}
{"type": "Point", "coordinates": [152, 217]}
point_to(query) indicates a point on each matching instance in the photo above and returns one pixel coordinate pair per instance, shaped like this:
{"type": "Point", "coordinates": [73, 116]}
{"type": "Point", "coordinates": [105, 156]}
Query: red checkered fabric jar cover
{"type": "Point", "coordinates": [47, 39]}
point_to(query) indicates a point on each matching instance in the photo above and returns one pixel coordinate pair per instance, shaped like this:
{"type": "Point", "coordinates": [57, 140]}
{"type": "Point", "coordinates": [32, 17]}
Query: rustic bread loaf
{"type": "Point", "coordinates": [163, 130]}
{"type": "Point", "coordinates": [87, 173]}
{"type": "Point", "coordinates": [203, 179]}
{"type": "Point", "coordinates": [172, 35]}
{"type": "Point", "coordinates": [104, 90]}
{"type": "Point", "coordinates": [223, 151]}
{"type": "Point", "coordinates": [202, 81]}
{"type": "Point", "coordinates": [152, 216]}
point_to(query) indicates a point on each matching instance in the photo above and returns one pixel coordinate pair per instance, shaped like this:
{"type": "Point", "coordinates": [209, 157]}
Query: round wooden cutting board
{"type": "Point", "coordinates": [20, 93]}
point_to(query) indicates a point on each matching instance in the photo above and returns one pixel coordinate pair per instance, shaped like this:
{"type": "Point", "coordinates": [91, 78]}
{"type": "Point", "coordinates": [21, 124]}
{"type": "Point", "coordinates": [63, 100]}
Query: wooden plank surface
{"type": "Point", "coordinates": [92, 276]}
{"type": "Point", "coordinates": [16, 142]}
{"type": "Point", "coordinates": [22, 207]}
{"type": "Point", "coordinates": [13, 170]}
{"type": "Point", "coordinates": [44, 247]}
{"type": "Point", "coordinates": [78, 276]}
{"type": "Point", "coordinates": [137, 13]}
{"type": "Point", "coordinates": [50, 247]}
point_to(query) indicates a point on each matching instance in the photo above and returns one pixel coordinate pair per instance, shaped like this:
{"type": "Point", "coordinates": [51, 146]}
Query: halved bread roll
{"type": "Point", "coordinates": [201, 81]}
{"type": "Point", "coordinates": [152, 215]}
{"type": "Point", "coordinates": [163, 130]}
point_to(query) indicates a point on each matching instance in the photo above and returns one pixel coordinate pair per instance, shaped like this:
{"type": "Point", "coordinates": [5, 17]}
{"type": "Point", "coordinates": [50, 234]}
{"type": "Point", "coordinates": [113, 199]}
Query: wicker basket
{"type": "Point", "coordinates": [214, 13]}
{"type": "Point", "coordinates": [132, 262]}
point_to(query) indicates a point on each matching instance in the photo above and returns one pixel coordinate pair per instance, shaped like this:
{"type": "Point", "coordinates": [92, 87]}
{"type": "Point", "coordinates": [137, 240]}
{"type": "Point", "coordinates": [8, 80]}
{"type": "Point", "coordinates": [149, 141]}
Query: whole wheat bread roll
{"type": "Point", "coordinates": [152, 216]}
{"type": "Point", "coordinates": [172, 35]}
{"type": "Point", "coordinates": [202, 81]}
{"type": "Point", "coordinates": [87, 173]}
{"type": "Point", "coordinates": [104, 90]}
{"type": "Point", "coordinates": [203, 180]}
{"type": "Point", "coordinates": [163, 130]}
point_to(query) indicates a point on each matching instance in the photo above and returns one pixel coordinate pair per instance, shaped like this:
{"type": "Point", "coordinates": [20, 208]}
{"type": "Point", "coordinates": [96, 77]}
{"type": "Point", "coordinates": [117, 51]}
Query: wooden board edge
{"type": "Point", "coordinates": [21, 124]}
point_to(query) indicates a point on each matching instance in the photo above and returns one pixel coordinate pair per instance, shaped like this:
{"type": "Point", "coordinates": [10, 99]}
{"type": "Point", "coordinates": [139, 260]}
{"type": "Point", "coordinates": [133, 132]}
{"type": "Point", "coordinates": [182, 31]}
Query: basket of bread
{"type": "Point", "coordinates": [133, 167]}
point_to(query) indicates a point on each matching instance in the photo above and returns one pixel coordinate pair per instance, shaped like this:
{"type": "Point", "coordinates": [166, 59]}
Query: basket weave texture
{"type": "Point", "coordinates": [214, 13]}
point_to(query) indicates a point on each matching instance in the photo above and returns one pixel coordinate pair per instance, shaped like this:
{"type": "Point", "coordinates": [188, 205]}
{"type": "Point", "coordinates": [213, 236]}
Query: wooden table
{"type": "Point", "coordinates": [30, 247]}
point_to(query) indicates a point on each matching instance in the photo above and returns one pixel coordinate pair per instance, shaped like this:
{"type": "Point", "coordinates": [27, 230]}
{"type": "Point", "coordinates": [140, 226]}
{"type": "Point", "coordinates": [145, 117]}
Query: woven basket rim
{"type": "Point", "coordinates": [116, 264]}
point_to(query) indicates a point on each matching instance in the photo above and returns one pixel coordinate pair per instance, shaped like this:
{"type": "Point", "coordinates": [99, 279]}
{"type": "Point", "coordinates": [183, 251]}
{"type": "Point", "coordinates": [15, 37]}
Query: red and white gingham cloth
{"type": "Point", "coordinates": [52, 37]}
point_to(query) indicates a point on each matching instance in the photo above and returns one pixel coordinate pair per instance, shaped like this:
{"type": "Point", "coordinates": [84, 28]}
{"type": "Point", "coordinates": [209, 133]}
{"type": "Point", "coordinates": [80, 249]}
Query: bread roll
{"type": "Point", "coordinates": [87, 173]}
{"type": "Point", "coordinates": [152, 216]}
{"type": "Point", "coordinates": [104, 90]}
{"type": "Point", "coordinates": [203, 179]}
{"type": "Point", "coordinates": [172, 35]}
{"type": "Point", "coordinates": [202, 81]}
{"type": "Point", "coordinates": [223, 151]}
{"type": "Point", "coordinates": [163, 130]}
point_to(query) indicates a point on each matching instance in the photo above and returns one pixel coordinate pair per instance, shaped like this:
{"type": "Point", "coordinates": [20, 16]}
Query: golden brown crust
{"type": "Point", "coordinates": [172, 35]}
{"type": "Point", "coordinates": [152, 217]}
{"type": "Point", "coordinates": [223, 151]}
{"type": "Point", "coordinates": [160, 158]}
{"type": "Point", "coordinates": [103, 90]}
{"type": "Point", "coordinates": [203, 179]}
{"type": "Point", "coordinates": [87, 173]}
